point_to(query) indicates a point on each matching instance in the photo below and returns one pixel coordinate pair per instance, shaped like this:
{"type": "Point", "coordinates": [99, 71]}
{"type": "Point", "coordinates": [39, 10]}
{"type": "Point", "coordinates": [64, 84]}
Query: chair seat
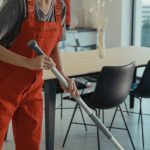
{"type": "Point", "coordinates": [139, 92]}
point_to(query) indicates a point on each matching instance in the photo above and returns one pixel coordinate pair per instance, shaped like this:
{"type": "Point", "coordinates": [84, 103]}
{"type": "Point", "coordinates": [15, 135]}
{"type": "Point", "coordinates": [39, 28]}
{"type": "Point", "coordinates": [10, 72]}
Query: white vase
{"type": "Point", "coordinates": [101, 43]}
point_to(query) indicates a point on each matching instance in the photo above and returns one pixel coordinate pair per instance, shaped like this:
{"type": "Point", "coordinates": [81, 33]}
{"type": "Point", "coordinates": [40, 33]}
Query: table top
{"type": "Point", "coordinates": [86, 62]}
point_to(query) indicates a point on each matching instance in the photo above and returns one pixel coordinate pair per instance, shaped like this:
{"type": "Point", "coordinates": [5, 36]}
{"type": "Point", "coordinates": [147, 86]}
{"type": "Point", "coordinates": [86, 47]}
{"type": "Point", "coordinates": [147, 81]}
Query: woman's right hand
{"type": "Point", "coordinates": [40, 62]}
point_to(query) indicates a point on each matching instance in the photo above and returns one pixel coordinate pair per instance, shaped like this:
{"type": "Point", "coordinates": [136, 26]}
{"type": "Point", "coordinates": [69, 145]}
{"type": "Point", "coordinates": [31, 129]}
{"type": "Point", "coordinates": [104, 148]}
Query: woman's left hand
{"type": "Point", "coordinates": [72, 89]}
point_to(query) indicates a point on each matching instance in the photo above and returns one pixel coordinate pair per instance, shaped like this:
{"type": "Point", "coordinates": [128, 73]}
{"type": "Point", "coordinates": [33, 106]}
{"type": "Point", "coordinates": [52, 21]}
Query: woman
{"type": "Point", "coordinates": [21, 70]}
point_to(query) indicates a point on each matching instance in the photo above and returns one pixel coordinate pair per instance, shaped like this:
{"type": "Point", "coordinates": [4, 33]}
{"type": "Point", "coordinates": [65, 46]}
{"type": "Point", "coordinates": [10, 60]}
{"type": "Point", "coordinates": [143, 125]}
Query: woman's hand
{"type": "Point", "coordinates": [72, 89]}
{"type": "Point", "coordinates": [40, 62]}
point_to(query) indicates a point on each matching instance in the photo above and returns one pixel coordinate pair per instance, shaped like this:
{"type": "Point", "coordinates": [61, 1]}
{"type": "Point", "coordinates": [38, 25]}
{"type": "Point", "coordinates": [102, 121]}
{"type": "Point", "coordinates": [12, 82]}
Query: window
{"type": "Point", "coordinates": [141, 23]}
{"type": "Point", "coordinates": [145, 23]}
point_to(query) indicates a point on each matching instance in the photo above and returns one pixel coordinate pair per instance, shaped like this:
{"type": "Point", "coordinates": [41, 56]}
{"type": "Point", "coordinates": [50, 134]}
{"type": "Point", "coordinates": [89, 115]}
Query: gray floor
{"type": "Point", "coordinates": [79, 139]}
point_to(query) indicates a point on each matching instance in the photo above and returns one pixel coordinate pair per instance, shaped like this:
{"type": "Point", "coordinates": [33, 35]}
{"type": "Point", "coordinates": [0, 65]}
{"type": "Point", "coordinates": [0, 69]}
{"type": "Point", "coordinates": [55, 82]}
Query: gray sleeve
{"type": "Point", "coordinates": [10, 13]}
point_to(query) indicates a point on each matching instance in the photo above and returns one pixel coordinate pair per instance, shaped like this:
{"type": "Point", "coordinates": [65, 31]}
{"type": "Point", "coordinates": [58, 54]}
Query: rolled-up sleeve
{"type": "Point", "coordinates": [4, 19]}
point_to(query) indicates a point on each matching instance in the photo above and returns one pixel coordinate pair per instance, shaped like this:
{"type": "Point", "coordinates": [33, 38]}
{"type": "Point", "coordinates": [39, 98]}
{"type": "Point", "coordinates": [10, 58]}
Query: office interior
{"type": "Point", "coordinates": [127, 27]}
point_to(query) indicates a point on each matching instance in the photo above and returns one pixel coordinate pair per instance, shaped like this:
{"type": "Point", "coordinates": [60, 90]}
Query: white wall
{"type": "Point", "coordinates": [1, 2]}
{"type": "Point", "coordinates": [126, 22]}
{"type": "Point", "coordinates": [119, 25]}
{"type": "Point", "coordinates": [77, 10]}
{"type": "Point", "coordinates": [113, 30]}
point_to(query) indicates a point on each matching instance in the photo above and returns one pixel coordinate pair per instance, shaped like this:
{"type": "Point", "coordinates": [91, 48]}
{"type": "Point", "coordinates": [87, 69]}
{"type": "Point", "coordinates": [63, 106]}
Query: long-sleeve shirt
{"type": "Point", "coordinates": [14, 12]}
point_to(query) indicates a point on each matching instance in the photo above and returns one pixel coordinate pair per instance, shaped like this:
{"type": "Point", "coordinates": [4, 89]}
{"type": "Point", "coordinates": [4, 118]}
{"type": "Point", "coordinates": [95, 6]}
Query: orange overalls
{"type": "Point", "coordinates": [21, 89]}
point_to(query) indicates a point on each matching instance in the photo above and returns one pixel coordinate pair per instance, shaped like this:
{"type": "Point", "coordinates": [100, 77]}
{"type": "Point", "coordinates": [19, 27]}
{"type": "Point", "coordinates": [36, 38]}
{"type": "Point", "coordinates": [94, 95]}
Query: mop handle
{"type": "Point", "coordinates": [33, 45]}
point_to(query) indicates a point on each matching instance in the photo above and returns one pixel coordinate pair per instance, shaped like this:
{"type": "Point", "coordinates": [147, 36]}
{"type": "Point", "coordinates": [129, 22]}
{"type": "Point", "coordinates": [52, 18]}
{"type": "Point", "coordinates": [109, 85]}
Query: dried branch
{"type": "Point", "coordinates": [100, 13]}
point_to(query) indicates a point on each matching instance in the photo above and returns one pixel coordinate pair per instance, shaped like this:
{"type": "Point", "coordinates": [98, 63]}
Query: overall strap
{"type": "Point", "coordinates": [30, 7]}
{"type": "Point", "coordinates": [58, 10]}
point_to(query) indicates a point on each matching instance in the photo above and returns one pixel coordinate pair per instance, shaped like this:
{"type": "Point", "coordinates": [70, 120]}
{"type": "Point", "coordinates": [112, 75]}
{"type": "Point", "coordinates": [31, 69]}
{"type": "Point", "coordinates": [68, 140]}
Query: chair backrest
{"type": "Point", "coordinates": [113, 86]}
{"type": "Point", "coordinates": [143, 88]}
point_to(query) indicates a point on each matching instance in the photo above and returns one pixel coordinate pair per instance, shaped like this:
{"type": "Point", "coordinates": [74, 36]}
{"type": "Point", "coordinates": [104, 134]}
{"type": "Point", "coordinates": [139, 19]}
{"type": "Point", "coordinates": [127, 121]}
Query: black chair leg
{"type": "Point", "coordinates": [83, 118]}
{"type": "Point", "coordinates": [113, 119]}
{"type": "Point", "coordinates": [99, 113]}
{"type": "Point", "coordinates": [103, 116]}
{"type": "Point", "coordinates": [139, 117]}
{"type": "Point", "coordinates": [126, 108]}
{"type": "Point", "coordinates": [61, 106]}
{"type": "Point", "coordinates": [142, 122]}
{"type": "Point", "coordinates": [140, 113]}
{"type": "Point", "coordinates": [98, 139]}
{"type": "Point", "coordinates": [86, 82]}
{"type": "Point", "coordinates": [82, 91]}
{"type": "Point", "coordinates": [127, 128]}
{"type": "Point", "coordinates": [97, 130]}
{"type": "Point", "coordinates": [82, 113]}
{"type": "Point", "coordinates": [69, 125]}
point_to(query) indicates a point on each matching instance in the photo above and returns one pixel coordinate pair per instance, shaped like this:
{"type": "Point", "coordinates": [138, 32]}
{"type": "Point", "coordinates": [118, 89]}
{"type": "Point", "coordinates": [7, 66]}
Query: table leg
{"type": "Point", "coordinates": [131, 101]}
{"type": "Point", "coordinates": [50, 98]}
{"type": "Point", "coordinates": [131, 95]}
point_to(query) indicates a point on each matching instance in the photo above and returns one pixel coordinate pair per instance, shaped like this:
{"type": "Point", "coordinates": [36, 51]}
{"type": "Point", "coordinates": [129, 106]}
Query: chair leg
{"type": "Point", "coordinates": [103, 117]}
{"type": "Point", "coordinates": [97, 130]}
{"type": "Point", "coordinates": [61, 106]}
{"type": "Point", "coordinates": [69, 125]}
{"type": "Point", "coordinates": [86, 82]}
{"type": "Point", "coordinates": [139, 113]}
{"type": "Point", "coordinates": [99, 113]}
{"type": "Point", "coordinates": [82, 91]}
{"type": "Point", "coordinates": [113, 119]}
{"type": "Point", "coordinates": [83, 118]}
{"type": "Point", "coordinates": [139, 116]}
{"type": "Point", "coordinates": [98, 139]}
{"type": "Point", "coordinates": [126, 108]}
{"type": "Point", "coordinates": [127, 128]}
{"type": "Point", "coordinates": [142, 122]}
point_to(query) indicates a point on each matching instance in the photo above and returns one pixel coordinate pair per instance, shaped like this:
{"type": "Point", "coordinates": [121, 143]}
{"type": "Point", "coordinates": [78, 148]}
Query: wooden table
{"type": "Point", "coordinates": [84, 63]}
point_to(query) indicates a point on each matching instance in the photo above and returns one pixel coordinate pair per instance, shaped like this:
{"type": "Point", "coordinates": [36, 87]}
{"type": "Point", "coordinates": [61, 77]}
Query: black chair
{"type": "Point", "coordinates": [112, 88]}
{"type": "Point", "coordinates": [93, 79]}
{"type": "Point", "coordinates": [142, 90]}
